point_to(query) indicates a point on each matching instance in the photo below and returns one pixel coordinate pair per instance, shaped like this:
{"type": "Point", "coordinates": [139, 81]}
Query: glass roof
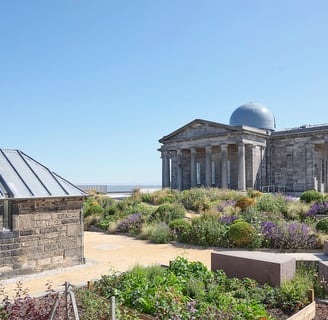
{"type": "Point", "coordinates": [23, 177]}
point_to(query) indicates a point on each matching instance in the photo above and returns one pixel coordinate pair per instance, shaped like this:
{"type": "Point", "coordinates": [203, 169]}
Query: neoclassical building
{"type": "Point", "coordinates": [247, 153]}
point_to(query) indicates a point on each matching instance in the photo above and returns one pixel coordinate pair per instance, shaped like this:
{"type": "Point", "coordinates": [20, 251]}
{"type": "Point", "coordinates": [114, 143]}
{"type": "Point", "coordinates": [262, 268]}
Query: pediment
{"type": "Point", "coordinates": [198, 129]}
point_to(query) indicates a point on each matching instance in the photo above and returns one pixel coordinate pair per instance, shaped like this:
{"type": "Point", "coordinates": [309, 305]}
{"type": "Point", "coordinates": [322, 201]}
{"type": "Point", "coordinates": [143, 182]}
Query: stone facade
{"type": "Point", "coordinates": [210, 154]}
{"type": "Point", "coordinates": [45, 233]}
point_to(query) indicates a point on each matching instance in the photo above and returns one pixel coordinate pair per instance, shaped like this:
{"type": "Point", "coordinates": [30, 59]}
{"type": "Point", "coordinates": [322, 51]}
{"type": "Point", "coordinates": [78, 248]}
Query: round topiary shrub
{"type": "Point", "coordinates": [241, 233]}
{"type": "Point", "coordinates": [244, 202]}
{"type": "Point", "coordinates": [311, 196]}
{"type": "Point", "coordinates": [322, 225]}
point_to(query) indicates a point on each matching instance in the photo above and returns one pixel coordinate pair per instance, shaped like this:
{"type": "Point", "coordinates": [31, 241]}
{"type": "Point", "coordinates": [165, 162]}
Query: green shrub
{"type": "Point", "coordinates": [180, 228]}
{"type": "Point", "coordinates": [146, 231]}
{"type": "Point", "coordinates": [241, 233]}
{"type": "Point", "coordinates": [311, 196]}
{"type": "Point", "coordinates": [206, 230]}
{"type": "Point", "coordinates": [168, 212]}
{"type": "Point", "coordinates": [147, 197]}
{"type": "Point", "coordinates": [94, 209]}
{"type": "Point", "coordinates": [322, 225]}
{"type": "Point", "coordinates": [194, 198]}
{"type": "Point", "coordinates": [163, 196]}
{"type": "Point", "coordinates": [160, 233]}
{"type": "Point", "coordinates": [272, 203]}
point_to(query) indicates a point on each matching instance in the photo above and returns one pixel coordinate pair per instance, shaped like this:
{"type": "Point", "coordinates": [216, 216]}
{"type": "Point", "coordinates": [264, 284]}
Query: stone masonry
{"type": "Point", "coordinates": [46, 233]}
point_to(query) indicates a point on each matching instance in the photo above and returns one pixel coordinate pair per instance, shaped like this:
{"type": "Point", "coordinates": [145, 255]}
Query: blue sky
{"type": "Point", "coordinates": [88, 88]}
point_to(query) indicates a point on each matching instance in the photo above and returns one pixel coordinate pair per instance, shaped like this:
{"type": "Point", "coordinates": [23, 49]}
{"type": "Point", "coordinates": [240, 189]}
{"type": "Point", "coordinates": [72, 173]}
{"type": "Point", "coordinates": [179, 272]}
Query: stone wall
{"type": "Point", "coordinates": [46, 234]}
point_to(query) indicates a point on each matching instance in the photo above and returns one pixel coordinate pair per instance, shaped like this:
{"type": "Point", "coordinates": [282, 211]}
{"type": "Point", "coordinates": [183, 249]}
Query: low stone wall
{"type": "Point", "coordinates": [45, 234]}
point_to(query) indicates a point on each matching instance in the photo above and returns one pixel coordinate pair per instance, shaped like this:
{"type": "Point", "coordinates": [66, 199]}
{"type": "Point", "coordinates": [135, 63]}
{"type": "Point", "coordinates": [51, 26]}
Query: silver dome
{"type": "Point", "coordinates": [254, 115]}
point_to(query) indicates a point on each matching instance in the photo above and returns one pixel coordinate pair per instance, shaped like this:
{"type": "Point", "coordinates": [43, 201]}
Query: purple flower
{"type": "Point", "coordinates": [318, 208]}
{"type": "Point", "coordinates": [225, 204]}
{"type": "Point", "coordinates": [267, 228]}
{"type": "Point", "coordinates": [293, 235]}
{"type": "Point", "coordinates": [228, 219]}
{"type": "Point", "coordinates": [132, 222]}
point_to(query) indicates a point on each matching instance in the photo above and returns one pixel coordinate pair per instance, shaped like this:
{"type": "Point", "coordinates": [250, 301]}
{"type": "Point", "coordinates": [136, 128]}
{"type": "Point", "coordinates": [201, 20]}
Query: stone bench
{"type": "Point", "coordinates": [264, 267]}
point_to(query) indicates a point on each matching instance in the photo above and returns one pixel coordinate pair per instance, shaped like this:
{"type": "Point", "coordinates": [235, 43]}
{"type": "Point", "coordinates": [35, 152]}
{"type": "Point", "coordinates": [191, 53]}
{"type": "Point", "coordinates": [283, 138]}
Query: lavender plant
{"type": "Point", "coordinates": [318, 208]}
{"type": "Point", "coordinates": [293, 235]}
{"type": "Point", "coordinates": [131, 224]}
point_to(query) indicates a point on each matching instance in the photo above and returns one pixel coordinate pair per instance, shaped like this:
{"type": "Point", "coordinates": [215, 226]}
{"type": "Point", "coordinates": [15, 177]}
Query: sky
{"type": "Point", "coordinates": [88, 87]}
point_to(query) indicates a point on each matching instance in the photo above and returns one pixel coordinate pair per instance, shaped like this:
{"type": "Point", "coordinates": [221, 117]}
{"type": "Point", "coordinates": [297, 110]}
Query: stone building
{"type": "Point", "coordinates": [41, 218]}
{"type": "Point", "coordinates": [247, 153]}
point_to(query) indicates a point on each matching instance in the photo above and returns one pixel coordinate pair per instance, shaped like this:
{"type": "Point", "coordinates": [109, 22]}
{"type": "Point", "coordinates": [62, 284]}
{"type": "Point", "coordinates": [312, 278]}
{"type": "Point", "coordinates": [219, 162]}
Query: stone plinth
{"type": "Point", "coordinates": [325, 248]}
{"type": "Point", "coordinates": [264, 267]}
{"type": "Point", "coordinates": [323, 270]}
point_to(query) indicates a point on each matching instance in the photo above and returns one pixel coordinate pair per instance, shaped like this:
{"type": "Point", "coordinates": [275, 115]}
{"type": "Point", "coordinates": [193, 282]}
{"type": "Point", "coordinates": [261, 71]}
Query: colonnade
{"type": "Point", "coordinates": [176, 155]}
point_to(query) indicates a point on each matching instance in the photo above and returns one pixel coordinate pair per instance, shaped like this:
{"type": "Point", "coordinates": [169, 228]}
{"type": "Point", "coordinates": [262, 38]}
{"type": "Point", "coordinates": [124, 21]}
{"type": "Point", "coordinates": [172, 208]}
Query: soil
{"type": "Point", "coordinates": [321, 311]}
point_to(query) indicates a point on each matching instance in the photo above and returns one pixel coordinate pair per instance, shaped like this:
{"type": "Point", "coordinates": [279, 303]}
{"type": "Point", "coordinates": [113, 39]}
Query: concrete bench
{"type": "Point", "coordinates": [264, 267]}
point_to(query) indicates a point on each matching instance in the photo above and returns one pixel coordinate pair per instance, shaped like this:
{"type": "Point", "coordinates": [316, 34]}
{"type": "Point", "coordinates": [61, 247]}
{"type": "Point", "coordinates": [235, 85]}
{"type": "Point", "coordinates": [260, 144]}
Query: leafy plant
{"type": "Point", "coordinates": [168, 212]}
{"type": "Point", "coordinates": [322, 225]}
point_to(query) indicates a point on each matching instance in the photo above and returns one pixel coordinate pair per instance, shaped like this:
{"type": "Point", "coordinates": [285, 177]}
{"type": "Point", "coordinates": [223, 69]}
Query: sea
{"type": "Point", "coordinates": [112, 189]}
{"type": "Point", "coordinates": [130, 188]}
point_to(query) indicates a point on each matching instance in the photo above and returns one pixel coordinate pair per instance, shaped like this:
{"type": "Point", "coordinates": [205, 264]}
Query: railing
{"type": "Point", "coordinates": [69, 295]}
{"type": "Point", "coordinates": [273, 188]}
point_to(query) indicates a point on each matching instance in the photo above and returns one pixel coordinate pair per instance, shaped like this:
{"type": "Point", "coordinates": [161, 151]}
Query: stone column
{"type": "Point", "coordinates": [192, 167]}
{"type": "Point", "coordinates": [179, 160]}
{"type": "Point", "coordinates": [208, 172]}
{"type": "Point", "coordinates": [241, 168]}
{"type": "Point", "coordinates": [165, 170]}
{"type": "Point", "coordinates": [224, 165]}
{"type": "Point", "coordinates": [255, 166]}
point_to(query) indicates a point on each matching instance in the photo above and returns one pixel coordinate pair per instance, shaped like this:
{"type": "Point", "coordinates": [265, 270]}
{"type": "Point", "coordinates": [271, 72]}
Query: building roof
{"type": "Point", "coordinates": [254, 115]}
{"type": "Point", "coordinates": [23, 177]}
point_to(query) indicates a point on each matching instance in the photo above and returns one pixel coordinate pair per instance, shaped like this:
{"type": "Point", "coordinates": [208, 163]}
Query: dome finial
{"type": "Point", "coordinates": [253, 114]}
